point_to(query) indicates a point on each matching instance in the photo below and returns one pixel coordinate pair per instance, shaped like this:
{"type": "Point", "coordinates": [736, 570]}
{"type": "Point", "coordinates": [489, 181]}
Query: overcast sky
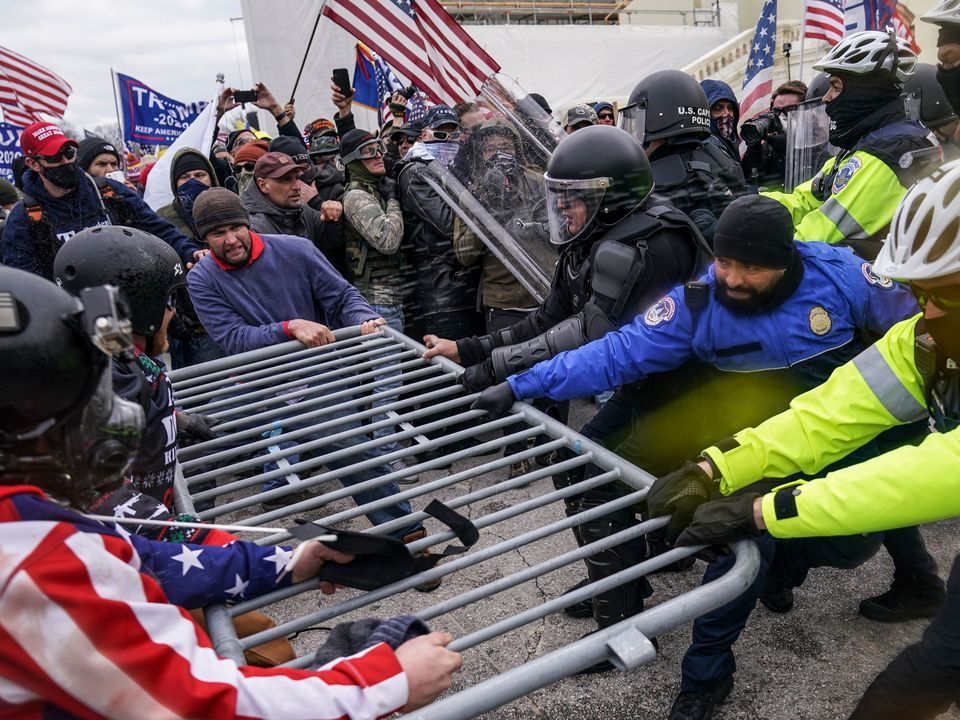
{"type": "Point", "coordinates": [177, 47]}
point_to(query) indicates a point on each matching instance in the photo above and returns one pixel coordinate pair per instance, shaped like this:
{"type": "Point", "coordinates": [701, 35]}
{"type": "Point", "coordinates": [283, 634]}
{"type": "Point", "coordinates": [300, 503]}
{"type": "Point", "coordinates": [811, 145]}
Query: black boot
{"type": "Point", "coordinates": [906, 600]}
{"type": "Point", "coordinates": [701, 704]}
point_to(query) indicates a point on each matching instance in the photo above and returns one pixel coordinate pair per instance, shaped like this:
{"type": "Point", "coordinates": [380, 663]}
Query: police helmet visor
{"type": "Point", "coordinates": [572, 206]}
{"type": "Point", "coordinates": [633, 119]}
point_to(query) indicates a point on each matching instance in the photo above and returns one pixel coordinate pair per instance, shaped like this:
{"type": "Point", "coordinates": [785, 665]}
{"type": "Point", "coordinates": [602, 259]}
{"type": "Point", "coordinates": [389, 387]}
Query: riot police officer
{"type": "Point", "coordinates": [927, 104]}
{"type": "Point", "coordinates": [669, 114]}
{"type": "Point", "coordinates": [620, 248]}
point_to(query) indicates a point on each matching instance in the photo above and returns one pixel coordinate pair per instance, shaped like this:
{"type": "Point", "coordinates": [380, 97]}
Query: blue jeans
{"type": "Point", "coordinates": [376, 517]}
{"type": "Point", "coordinates": [393, 314]}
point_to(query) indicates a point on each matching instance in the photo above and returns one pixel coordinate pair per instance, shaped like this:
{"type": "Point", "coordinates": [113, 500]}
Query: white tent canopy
{"type": "Point", "coordinates": [564, 63]}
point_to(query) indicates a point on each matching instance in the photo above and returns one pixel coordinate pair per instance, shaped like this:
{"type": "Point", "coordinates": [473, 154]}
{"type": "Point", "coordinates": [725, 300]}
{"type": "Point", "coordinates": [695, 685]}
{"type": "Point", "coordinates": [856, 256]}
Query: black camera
{"type": "Point", "coordinates": [409, 91]}
{"type": "Point", "coordinates": [753, 131]}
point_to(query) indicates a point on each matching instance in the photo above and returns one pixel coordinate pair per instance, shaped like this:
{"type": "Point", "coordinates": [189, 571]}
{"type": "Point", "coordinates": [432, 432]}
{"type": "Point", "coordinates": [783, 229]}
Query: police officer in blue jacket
{"type": "Point", "coordinates": [770, 319]}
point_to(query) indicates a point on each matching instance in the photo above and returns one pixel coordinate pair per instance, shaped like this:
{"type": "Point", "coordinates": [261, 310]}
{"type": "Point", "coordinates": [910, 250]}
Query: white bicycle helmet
{"type": "Point", "coordinates": [871, 51]}
{"type": "Point", "coordinates": [924, 239]}
{"type": "Point", "coordinates": [947, 12]}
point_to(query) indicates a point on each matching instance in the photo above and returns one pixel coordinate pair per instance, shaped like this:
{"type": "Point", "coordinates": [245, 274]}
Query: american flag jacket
{"type": "Point", "coordinates": [90, 628]}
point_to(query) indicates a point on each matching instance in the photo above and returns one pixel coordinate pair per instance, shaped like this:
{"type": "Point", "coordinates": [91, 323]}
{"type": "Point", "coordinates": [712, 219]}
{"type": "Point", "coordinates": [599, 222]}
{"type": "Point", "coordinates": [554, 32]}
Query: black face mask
{"type": "Point", "coordinates": [950, 82]}
{"type": "Point", "coordinates": [65, 176]}
{"type": "Point", "coordinates": [850, 111]}
{"type": "Point", "coordinates": [945, 330]}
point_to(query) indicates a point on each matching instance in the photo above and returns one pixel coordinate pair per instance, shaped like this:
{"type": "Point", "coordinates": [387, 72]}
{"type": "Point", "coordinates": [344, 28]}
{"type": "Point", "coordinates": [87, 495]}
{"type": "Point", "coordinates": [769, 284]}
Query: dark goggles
{"type": "Point", "coordinates": [248, 167]}
{"type": "Point", "coordinates": [945, 298]}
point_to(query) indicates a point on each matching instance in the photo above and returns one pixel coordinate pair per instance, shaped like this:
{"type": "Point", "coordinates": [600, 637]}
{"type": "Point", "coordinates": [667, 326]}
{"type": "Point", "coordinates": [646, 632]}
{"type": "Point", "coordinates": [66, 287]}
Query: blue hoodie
{"type": "Point", "coordinates": [72, 213]}
{"type": "Point", "coordinates": [717, 90]}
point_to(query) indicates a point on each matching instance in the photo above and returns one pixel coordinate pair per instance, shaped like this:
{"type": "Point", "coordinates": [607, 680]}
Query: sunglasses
{"type": "Point", "coordinates": [945, 298]}
{"type": "Point", "coordinates": [67, 153]}
{"type": "Point", "coordinates": [245, 167]}
{"type": "Point", "coordinates": [403, 140]}
{"type": "Point", "coordinates": [443, 135]}
{"type": "Point", "coordinates": [605, 116]}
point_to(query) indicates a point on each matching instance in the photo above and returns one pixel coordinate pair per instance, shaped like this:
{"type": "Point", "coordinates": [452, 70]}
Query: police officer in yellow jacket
{"type": "Point", "coordinates": [910, 373]}
{"type": "Point", "coordinates": [853, 197]}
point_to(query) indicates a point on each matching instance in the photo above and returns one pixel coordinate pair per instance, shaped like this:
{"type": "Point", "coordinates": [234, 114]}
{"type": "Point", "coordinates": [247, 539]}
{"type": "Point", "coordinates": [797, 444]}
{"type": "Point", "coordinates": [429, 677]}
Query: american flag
{"type": "Point", "coordinates": [387, 84]}
{"type": "Point", "coordinates": [28, 89]}
{"type": "Point", "coordinates": [824, 20]}
{"type": "Point", "coordinates": [422, 41]}
{"type": "Point", "coordinates": [758, 80]}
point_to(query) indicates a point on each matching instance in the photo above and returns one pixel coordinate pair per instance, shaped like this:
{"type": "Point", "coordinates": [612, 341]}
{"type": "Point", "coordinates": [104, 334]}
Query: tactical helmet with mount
{"type": "Point", "coordinates": [667, 104]}
{"type": "Point", "coordinates": [869, 52]}
{"type": "Point", "coordinates": [142, 265]}
{"type": "Point", "coordinates": [602, 167]}
{"type": "Point", "coordinates": [926, 102]}
{"type": "Point", "coordinates": [61, 426]}
{"type": "Point", "coordinates": [924, 239]}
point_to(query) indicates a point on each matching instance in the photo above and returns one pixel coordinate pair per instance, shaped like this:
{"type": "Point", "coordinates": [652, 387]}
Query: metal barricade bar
{"type": "Point", "coordinates": [346, 411]}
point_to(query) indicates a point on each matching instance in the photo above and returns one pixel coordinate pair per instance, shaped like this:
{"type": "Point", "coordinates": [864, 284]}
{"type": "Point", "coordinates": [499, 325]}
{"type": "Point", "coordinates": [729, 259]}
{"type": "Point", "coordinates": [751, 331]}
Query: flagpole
{"type": "Point", "coordinates": [307, 51]}
{"type": "Point", "coordinates": [116, 106]}
{"type": "Point", "coordinates": [803, 39]}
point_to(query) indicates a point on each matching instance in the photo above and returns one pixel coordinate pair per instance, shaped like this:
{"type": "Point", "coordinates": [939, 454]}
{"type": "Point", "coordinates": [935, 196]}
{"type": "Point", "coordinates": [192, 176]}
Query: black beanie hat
{"type": "Point", "coordinates": [189, 161]}
{"type": "Point", "coordinates": [217, 207]}
{"type": "Point", "coordinates": [755, 230]}
{"type": "Point", "coordinates": [91, 147]}
{"type": "Point", "coordinates": [352, 140]}
{"type": "Point", "coordinates": [290, 146]}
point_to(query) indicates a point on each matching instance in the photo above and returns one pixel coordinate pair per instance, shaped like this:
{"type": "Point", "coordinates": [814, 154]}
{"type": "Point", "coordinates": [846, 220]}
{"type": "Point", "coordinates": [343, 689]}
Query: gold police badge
{"type": "Point", "coordinates": [819, 320]}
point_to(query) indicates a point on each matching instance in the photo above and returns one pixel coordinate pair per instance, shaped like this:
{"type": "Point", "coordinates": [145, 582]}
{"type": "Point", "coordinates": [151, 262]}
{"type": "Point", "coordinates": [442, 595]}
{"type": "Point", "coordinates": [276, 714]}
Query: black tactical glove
{"type": "Point", "coordinates": [496, 400]}
{"type": "Point", "coordinates": [196, 427]}
{"type": "Point", "coordinates": [387, 187]}
{"type": "Point", "coordinates": [679, 494]}
{"type": "Point", "coordinates": [723, 521]}
{"type": "Point", "coordinates": [478, 377]}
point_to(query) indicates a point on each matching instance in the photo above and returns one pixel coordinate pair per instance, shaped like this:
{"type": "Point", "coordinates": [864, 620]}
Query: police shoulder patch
{"type": "Point", "coordinates": [660, 312]}
{"type": "Point", "coordinates": [819, 320]}
{"type": "Point", "coordinates": [845, 173]}
{"type": "Point", "coordinates": [873, 278]}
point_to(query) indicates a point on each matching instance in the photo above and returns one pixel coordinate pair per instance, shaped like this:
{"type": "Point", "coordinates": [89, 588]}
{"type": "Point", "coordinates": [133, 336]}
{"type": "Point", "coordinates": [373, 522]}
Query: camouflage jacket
{"type": "Point", "coordinates": [373, 233]}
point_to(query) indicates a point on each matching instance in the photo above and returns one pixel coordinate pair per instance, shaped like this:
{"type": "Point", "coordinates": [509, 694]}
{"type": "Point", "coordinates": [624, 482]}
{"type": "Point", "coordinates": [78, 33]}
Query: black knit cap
{"type": "Point", "coordinates": [217, 207]}
{"type": "Point", "coordinates": [290, 146]}
{"type": "Point", "coordinates": [189, 161]}
{"type": "Point", "coordinates": [755, 230]}
{"type": "Point", "coordinates": [91, 147]}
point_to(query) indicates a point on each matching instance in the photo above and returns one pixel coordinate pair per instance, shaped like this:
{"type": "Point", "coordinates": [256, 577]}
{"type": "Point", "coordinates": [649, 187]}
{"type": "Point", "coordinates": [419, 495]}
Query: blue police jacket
{"type": "Point", "coordinates": [838, 303]}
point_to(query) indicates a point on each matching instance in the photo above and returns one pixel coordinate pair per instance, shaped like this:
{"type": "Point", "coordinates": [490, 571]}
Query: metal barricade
{"type": "Point", "coordinates": [343, 403]}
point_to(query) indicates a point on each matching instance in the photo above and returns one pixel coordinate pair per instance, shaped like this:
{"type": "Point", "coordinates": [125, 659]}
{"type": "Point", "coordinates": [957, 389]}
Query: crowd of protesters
{"type": "Point", "coordinates": [767, 294]}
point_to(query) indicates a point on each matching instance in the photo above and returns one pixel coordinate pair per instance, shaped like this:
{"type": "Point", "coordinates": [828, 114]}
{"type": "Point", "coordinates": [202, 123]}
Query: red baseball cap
{"type": "Point", "coordinates": [43, 138]}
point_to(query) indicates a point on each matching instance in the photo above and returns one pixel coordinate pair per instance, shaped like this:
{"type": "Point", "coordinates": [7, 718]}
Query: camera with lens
{"type": "Point", "coordinates": [409, 91]}
{"type": "Point", "coordinates": [753, 131]}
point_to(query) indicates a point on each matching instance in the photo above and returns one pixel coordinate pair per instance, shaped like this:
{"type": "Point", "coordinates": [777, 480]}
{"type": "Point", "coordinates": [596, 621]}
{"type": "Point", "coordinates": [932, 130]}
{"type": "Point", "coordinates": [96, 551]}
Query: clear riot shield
{"type": "Point", "coordinates": [808, 145]}
{"type": "Point", "coordinates": [495, 183]}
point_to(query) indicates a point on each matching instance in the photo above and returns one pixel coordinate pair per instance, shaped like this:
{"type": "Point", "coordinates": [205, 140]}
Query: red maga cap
{"type": "Point", "coordinates": [43, 138]}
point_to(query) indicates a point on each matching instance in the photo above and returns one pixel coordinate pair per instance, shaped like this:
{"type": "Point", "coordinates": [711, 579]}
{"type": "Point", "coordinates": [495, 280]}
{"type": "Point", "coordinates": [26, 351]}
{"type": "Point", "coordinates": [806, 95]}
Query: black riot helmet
{"type": "Point", "coordinates": [143, 266]}
{"type": "Point", "coordinates": [818, 86]}
{"type": "Point", "coordinates": [925, 100]}
{"type": "Point", "coordinates": [61, 426]}
{"type": "Point", "coordinates": [667, 104]}
{"type": "Point", "coordinates": [595, 178]}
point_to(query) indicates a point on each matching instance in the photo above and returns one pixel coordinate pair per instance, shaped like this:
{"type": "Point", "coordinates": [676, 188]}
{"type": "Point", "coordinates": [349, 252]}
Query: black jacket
{"type": "Point", "coordinates": [442, 283]}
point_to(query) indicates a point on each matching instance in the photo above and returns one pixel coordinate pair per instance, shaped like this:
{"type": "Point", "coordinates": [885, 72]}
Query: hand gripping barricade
{"type": "Point", "coordinates": [495, 182]}
{"type": "Point", "coordinates": [274, 403]}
